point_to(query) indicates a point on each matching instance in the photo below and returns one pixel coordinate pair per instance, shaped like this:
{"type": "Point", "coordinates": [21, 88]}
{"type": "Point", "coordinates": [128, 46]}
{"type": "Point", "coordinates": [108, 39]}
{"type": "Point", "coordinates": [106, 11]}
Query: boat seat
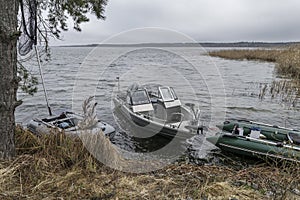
{"type": "Point", "coordinates": [255, 134]}
{"type": "Point", "coordinates": [241, 131]}
{"type": "Point", "coordinates": [65, 123]}
{"type": "Point", "coordinates": [153, 99]}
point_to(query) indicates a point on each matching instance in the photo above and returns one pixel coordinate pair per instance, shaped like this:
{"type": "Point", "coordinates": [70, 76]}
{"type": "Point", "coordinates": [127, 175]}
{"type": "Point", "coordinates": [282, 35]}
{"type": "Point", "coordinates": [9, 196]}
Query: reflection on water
{"type": "Point", "coordinates": [241, 79]}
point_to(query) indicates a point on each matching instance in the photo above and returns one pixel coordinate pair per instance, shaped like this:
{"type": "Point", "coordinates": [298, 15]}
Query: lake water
{"type": "Point", "coordinates": [221, 88]}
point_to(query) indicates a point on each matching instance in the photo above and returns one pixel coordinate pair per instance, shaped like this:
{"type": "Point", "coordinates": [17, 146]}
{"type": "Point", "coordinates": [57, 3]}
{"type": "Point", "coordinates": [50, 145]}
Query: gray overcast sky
{"type": "Point", "coordinates": [203, 20]}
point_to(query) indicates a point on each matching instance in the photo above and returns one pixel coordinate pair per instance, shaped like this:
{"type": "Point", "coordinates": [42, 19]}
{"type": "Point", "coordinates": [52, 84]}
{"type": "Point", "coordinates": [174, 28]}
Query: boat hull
{"type": "Point", "coordinates": [143, 127]}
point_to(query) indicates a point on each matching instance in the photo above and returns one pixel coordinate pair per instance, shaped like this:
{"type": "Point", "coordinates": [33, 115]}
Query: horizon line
{"type": "Point", "coordinates": [213, 44]}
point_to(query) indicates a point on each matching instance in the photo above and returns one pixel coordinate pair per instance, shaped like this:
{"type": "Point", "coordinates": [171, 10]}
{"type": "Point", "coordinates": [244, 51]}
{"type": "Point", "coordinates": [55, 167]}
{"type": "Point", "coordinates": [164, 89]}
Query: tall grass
{"type": "Point", "coordinates": [288, 62]}
{"type": "Point", "coordinates": [287, 65]}
{"type": "Point", "coordinates": [58, 166]}
{"type": "Point", "coordinates": [257, 54]}
{"type": "Point", "coordinates": [287, 59]}
{"type": "Point", "coordinates": [286, 92]}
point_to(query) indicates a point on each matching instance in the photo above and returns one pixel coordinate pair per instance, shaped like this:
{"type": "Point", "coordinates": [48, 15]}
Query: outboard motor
{"type": "Point", "coordinates": [200, 130]}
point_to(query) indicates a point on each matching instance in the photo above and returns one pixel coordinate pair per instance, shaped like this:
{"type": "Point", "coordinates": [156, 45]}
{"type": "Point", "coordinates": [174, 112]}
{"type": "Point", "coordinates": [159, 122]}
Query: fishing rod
{"type": "Point", "coordinates": [38, 57]}
{"type": "Point", "coordinates": [42, 78]}
{"type": "Point", "coordinates": [32, 37]}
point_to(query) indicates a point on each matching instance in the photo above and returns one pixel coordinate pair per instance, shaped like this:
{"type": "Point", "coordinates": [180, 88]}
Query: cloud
{"type": "Point", "coordinates": [204, 20]}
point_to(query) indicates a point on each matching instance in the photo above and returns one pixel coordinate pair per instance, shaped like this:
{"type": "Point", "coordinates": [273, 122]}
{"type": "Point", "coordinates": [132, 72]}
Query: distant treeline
{"type": "Point", "coordinates": [204, 44]}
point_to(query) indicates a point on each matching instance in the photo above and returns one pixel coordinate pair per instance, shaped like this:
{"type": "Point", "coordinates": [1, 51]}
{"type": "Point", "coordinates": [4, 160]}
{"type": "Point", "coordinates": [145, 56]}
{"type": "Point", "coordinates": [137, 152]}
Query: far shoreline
{"type": "Point", "coordinates": [200, 44]}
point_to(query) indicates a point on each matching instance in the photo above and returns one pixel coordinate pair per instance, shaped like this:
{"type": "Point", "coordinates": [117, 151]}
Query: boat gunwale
{"type": "Point", "coordinates": [262, 124]}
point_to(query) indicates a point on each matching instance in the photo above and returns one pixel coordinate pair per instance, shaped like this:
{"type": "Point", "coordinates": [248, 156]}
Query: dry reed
{"type": "Point", "coordinates": [287, 65]}
{"type": "Point", "coordinates": [58, 166]}
{"type": "Point", "coordinates": [287, 59]}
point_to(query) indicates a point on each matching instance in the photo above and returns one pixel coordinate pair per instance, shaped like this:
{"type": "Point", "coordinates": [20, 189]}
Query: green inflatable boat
{"type": "Point", "coordinates": [267, 131]}
{"type": "Point", "coordinates": [257, 146]}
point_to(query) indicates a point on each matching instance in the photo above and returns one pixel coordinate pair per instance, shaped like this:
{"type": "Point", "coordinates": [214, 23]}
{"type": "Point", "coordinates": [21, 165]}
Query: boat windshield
{"type": "Point", "coordinates": [139, 97]}
{"type": "Point", "coordinates": [166, 94]}
{"type": "Point", "coordinates": [173, 93]}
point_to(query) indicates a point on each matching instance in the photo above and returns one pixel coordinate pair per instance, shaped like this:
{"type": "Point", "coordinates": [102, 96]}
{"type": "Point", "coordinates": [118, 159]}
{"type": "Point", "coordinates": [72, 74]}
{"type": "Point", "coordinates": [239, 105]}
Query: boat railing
{"type": "Point", "coordinates": [54, 123]}
{"type": "Point", "coordinates": [162, 121]}
{"type": "Point", "coordinates": [264, 124]}
{"type": "Point", "coordinates": [153, 118]}
{"type": "Point", "coordinates": [46, 123]}
{"type": "Point", "coordinates": [265, 141]}
{"type": "Point", "coordinates": [274, 143]}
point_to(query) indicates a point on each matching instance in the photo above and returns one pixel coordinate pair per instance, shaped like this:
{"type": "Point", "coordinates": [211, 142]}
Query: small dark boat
{"type": "Point", "coordinates": [271, 132]}
{"type": "Point", "coordinates": [257, 145]}
{"type": "Point", "coordinates": [157, 112]}
{"type": "Point", "coordinates": [66, 121]}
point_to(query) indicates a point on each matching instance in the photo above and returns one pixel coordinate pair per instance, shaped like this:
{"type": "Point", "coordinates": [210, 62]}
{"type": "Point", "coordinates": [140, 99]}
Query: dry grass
{"type": "Point", "coordinates": [286, 92]}
{"type": "Point", "coordinates": [57, 166]}
{"type": "Point", "coordinates": [288, 63]}
{"type": "Point", "coordinates": [287, 59]}
{"type": "Point", "coordinates": [257, 54]}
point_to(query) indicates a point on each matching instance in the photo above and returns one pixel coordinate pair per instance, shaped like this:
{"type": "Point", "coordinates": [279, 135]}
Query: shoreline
{"type": "Point", "coordinates": [197, 44]}
{"type": "Point", "coordinates": [58, 166]}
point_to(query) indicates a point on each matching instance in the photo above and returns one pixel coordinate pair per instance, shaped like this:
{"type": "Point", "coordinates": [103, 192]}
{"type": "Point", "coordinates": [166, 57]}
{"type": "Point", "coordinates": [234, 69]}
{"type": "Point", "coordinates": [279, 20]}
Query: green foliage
{"type": "Point", "coordinates": [60, 10]}
{"type": "Point", "coordinates": [52, 18]}
{"type": "Point", "coordinates": [27, 83]}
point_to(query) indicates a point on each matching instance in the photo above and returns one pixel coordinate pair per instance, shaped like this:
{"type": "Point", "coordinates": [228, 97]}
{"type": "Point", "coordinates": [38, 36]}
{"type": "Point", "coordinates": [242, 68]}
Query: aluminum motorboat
{"type": "Point", "coordinates": [157, 111]}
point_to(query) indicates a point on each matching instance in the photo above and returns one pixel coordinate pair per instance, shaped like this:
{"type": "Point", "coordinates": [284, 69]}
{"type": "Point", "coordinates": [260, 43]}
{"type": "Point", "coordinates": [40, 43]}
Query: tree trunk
{"type": "Point", "coordinates": [8, 76]}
